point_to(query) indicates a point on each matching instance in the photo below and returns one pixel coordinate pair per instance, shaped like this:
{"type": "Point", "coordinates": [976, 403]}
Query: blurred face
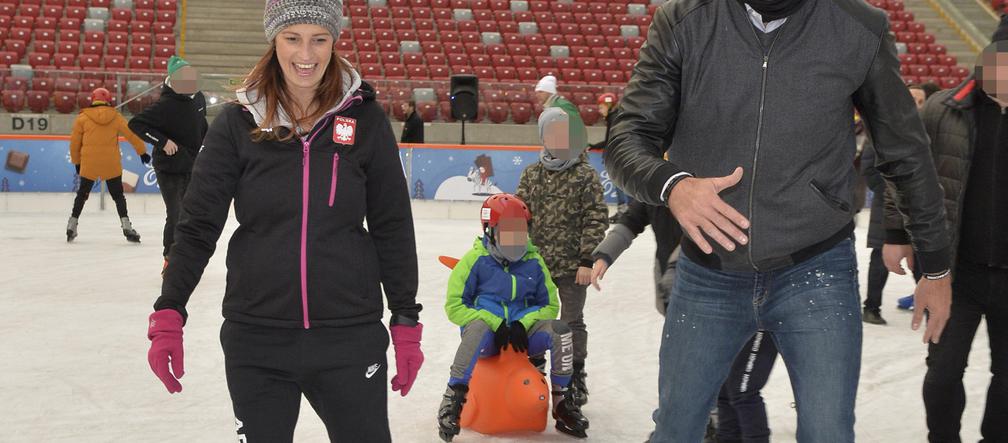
{"type": "Point", "coordinates": [407, 109]}
{"type": "Point", "coordinates": [603, 109]}
{"type": "Point", "coordinates": [919, 96]}
{"type": "Point", "coordinates": [543, 96]}
{"type": "Point", "coordinates": [512, 238]}
{"type": "Point", "coordinates": [185, 81]}
{"type": "Point", "coordinates": [994, 74]}
{"type": "Point", "coordinates": [304, 52]}
{"type": "Point", "coordinates": [556, 139]}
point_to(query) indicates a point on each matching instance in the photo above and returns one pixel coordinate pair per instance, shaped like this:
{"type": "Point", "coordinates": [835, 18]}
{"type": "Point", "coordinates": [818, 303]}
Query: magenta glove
{"type": "Point", "coordinates": [408, 356]}
{"type": "Point", "coordinates": [165, 334]}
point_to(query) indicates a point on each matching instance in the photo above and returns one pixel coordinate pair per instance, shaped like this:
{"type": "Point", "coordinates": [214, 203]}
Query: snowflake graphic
{"type": "Point", "coordinates": [516, 160]}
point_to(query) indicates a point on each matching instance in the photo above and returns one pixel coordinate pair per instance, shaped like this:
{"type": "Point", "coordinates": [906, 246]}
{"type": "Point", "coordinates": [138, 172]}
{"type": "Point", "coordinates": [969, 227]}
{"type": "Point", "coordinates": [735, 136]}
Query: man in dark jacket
{"type": "Point", "coordinates": [768, 88]}
{"type": "Point", "coordinates": [878, 275]}
{"type": "Point", "coordinates": [968, 127]}
{"type": "Point", "coordinates": [412, 131]}
{"type": "Point", "coordinates": [175, 125]}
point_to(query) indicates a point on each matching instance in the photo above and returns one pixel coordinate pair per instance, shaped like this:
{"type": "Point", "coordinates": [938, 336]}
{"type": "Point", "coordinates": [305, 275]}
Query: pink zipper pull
{"type": "Point", "coordinates": [335, 177]}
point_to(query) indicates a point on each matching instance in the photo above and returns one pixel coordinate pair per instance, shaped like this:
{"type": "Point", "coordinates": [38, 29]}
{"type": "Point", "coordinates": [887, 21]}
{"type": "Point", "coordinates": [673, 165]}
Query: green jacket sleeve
{"type": "Point", "coordinates": [547, 288]}
{"type": "Point", "coordinates": [461, 290]}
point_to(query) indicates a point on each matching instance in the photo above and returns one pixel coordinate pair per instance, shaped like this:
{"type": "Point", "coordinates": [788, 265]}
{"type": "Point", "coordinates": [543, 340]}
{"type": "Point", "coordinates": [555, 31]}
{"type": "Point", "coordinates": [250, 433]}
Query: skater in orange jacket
{"type": "Point", "coordinates": [94, 151]}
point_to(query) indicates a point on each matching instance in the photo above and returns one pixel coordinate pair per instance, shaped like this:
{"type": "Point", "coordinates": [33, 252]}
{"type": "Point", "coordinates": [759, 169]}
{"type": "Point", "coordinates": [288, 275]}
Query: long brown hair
{"type": "Point", "coordinates": [267, 79]}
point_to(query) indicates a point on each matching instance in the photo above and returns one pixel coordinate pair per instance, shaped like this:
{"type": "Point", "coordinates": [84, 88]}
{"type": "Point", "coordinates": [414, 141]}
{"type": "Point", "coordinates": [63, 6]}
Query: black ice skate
{"type": "Point", "coordinates": [131, 235]}
{"type": "Point", "coordinates": [450, 411]}
{"type": "Point", "coordinates": [71, 229]}
{"type": "Point", "coordinates": [579, 384]}
{"type": "Point", "coordinates": [568, 414]}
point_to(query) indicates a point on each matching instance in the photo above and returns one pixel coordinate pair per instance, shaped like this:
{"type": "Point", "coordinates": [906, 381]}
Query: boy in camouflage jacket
{"type": "Point", "coordinates": [570, 219]}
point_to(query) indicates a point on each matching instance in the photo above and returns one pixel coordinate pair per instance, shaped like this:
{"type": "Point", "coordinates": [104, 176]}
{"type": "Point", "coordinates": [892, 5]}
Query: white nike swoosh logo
{"type": "Point", "coordinates": [371, 371]}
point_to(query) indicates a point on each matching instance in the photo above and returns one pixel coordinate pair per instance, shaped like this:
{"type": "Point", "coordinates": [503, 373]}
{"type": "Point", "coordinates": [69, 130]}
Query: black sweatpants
{"type": "Point", "coordinates": [173, 188]}
{"type": "Point", "coordinates": [978, 291]}
{"type": "Point", "coordinates": [341, 371]}
{"type": "Point", "coordinates": [115, 189]}
{"type": "Point", "coordinates": [742, 414]}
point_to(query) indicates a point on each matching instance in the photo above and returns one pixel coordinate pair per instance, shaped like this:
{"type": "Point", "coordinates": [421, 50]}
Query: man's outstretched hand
{"type": "Point", "coordinates": [702, 213]}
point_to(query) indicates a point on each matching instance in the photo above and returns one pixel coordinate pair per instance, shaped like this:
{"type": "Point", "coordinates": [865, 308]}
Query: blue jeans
{"type": "Point", "coordinates": [812, 312]}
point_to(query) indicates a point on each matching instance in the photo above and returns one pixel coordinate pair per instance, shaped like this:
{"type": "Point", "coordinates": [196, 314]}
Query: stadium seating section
{"type": "Point", "coordinates": [407, 48]}
{"type": "Point", "coordinates": [74, 46]}
{"type": "Point", "coordinates": [591, 47]}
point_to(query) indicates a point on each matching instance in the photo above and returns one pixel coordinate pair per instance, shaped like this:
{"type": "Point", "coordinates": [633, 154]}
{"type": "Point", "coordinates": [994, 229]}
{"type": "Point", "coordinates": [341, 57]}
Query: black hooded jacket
{"type": "Point", "coordinates": [175, 117]}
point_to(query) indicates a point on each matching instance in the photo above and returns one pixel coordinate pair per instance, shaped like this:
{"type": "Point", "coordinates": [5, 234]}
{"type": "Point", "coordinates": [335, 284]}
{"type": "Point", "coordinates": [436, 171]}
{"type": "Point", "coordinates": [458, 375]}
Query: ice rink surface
{"type": "Point", "coordinates": [74, 347]}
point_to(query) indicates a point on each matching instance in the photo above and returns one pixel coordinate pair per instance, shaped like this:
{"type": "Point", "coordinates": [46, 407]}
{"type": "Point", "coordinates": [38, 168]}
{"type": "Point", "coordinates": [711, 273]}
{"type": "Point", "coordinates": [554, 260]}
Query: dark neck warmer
{"type": "Point", "coordinates": [772, 10]}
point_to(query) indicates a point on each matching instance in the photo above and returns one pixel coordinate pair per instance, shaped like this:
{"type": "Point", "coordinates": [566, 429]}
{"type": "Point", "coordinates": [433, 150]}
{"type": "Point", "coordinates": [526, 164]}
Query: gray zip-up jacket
{"type": "Point", "coordinates": [707, 86]}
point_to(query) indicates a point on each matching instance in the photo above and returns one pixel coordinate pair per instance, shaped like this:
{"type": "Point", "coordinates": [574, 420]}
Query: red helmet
{"type": "Point", "coordinates": [503, 205]}
{"type": "Point", "coordinates": [607, 99]}
{"type": "Point", "coordinates": [101, 95]}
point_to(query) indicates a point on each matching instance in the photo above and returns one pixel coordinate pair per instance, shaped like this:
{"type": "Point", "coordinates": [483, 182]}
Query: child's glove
{"type": "Point", "coordinates": [502, 336]}
{"type": "Point", "coordinates": [519, 337]}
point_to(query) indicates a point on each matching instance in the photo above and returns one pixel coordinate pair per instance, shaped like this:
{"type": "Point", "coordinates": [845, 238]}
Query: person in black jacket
{"type": "Point", "coordinates": [305, 163]}
{"type": "Point", "coordinates": [968, 127]}
{"type": "Point", "coordinates": [412, 131]}
{"type": "Point", "coordinates": [175, 125]}
{"type": "Point", "coordinates": [761, 179]}
{"type": "Point", "coordinates": [628, 226]}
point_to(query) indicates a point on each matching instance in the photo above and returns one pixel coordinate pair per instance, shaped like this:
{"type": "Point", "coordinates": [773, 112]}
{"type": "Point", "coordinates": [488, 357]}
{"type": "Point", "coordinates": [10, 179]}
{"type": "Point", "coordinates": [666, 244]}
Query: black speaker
{"type": "Point", "coordinates": [464, 96]}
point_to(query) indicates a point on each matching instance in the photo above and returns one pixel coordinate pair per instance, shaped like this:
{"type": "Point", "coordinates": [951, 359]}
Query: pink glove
{"type": "Point", "coordinates": [408, 356]}
{"type": "Point", "coordinates": [165, 334]}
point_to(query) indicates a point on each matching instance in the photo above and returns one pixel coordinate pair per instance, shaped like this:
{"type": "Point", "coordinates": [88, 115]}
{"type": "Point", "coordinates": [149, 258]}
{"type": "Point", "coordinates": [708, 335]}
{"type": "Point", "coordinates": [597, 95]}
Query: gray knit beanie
{"type": "Point", "coordinates": [280, 14]}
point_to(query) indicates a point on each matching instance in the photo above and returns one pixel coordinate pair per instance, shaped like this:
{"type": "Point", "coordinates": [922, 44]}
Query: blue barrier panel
{"type": "Point", "coordinates": [435, 172]}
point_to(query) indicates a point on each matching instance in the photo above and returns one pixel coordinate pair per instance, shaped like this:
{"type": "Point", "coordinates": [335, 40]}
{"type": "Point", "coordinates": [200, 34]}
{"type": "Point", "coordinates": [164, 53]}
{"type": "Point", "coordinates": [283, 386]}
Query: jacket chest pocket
{"type": "Point", "coordinates": [344, 181]}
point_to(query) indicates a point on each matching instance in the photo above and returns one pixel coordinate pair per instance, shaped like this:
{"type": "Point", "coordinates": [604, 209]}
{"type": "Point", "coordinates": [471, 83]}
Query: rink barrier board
{"type": "Point", "coordinates": [445, 172]}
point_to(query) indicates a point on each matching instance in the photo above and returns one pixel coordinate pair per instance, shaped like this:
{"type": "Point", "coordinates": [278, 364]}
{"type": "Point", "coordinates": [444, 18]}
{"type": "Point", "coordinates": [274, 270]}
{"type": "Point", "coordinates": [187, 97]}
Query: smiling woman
{"type": "Point", "coordinates": [300, 73]}
{"type": "Point", "coordinates": [307, 156]}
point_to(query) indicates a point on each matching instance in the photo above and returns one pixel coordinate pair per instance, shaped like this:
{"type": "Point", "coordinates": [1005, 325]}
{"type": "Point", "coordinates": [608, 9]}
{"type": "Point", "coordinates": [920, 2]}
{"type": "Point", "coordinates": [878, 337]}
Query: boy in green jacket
{"type": "Point", "coordinates": [501, 293]}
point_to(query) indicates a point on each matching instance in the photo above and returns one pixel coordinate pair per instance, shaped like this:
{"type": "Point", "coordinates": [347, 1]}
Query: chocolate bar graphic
{"type": "Point", "coordinates": [17, 161]}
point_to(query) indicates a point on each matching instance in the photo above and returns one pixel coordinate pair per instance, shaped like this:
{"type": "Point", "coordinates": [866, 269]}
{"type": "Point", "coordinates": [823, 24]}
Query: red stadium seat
{"type": "Point", "coordinates": [45, 35]}
{"type": "Point", "coordinates": [13, 101]}
{"type": "Point", "coordinates": [144, 16]}
{"type": "Point", "coordinates": [589, 114]}
{"type": "Point", "coordinates": [69, 35]}
{"type": "Point", "coordinates": [498, 112]}
{"type": "Point", "coordinates": [43, 84]}
{"type": "Point", "coordinates": [45, 47]}
{"type": "Point", "coordinates": [15, 84]}
{"type": "Point", "coordinates": [90, 61]}
{"type": "Point", "coordinates": [65, 61]}
{"type": "Point", "coordinates": [73, 47]}
{"type": "Point", "coordinates": [439, 72]}
{"type": "Point", "coordinates": [67, 84]}
{"type": "Point", "coordinates": [520, 113]}
{"type": "Point", "coordinates": [37, 59]}
{"type": "Point", "coordinates": [8, 58]}
{"type": "Point", "coordinates": [65, 102]}
{"type": "Point", "coordinates": [38, 101]}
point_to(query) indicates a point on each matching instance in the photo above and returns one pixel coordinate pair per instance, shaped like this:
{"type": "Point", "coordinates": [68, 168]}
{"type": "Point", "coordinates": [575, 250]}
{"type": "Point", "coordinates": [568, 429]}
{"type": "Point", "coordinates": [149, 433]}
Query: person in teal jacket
{"type": "Point", "coordinates": [501, 293]}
